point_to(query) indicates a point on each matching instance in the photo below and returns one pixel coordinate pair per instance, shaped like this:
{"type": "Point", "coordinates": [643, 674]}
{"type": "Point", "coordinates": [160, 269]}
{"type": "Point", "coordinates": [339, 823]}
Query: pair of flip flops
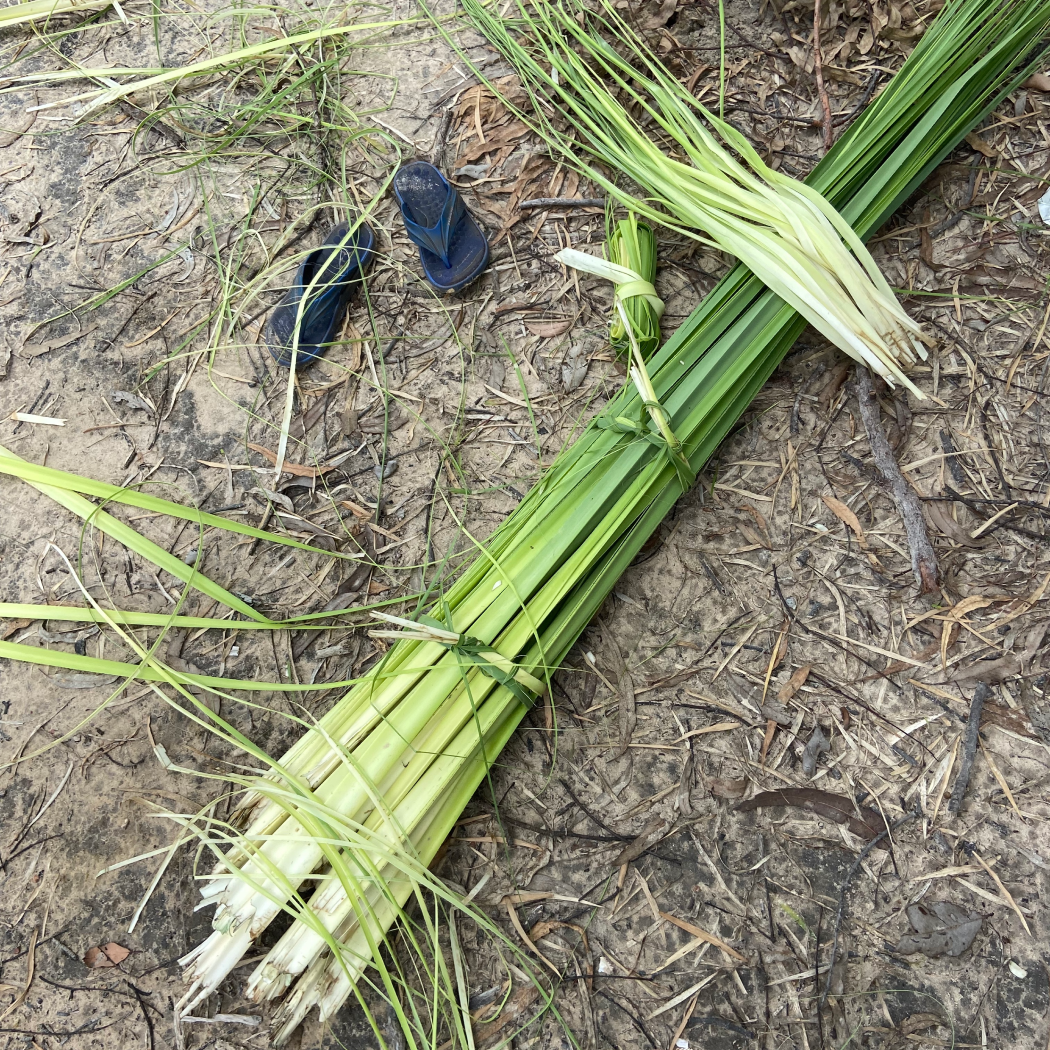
{"type": "Point", "coordinates": [452, 250]}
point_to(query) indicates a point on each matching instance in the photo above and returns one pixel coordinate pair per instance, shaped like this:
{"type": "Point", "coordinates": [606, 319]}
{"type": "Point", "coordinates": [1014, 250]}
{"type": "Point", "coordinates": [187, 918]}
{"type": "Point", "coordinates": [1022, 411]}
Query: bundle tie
{"type": "Point", "coordinates": [490, 660]}
{"type": "Point", "coordinates": [664, 436]}
{"type": "Point", "coordinates": [637, 285]}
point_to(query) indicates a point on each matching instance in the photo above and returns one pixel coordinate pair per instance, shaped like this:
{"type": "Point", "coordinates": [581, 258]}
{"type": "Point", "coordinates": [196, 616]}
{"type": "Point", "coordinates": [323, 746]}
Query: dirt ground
{"type": "Point", "coordinates": [142, 247]}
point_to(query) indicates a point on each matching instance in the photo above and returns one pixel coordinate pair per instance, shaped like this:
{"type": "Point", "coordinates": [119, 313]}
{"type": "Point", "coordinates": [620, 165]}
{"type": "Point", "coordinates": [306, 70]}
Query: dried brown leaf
{"type": "Point", "coordinates": [994, 671]}
{"type": "Point", "coordinates": [794, 683]}
{"type": "Point", "coordinates": [36, 349]}
{"type": "Point", "coordinates": [824, 804]}
{"type": "Point", "coordinates": [940, 518]}
{"type": "Point", "coordinates": [506, 136]}
{"type": "Point", "coordinates": [549, 329]}
{"type": "Point", "coordinates": [106, 956]}
{"type": "Point", "coordinates": [697, 931]}
{"type": "Point", "coordinates": [722, 787]}
{"type": "Point", "coordinates": [850, 520]}
{"type": "Point", "coordinates": [982, 147]}
{"type": "Point", "coordinates": [968, 605]}
{"type": "Point", "coordinates": [298, 469]}
{"type": "Point", "coordinates": [12, 626]}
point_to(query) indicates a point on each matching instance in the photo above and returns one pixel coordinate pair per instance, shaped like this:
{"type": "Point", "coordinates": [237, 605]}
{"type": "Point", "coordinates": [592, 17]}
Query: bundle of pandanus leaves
{"type": "Point", "coordinates": [340, 831]}
{"type": "Point", "coordinates": [366, 798]}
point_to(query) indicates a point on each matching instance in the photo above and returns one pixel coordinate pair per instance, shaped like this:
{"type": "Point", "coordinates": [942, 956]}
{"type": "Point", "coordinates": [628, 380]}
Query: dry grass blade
{"type": "Point", "coordinates": [45, 10]}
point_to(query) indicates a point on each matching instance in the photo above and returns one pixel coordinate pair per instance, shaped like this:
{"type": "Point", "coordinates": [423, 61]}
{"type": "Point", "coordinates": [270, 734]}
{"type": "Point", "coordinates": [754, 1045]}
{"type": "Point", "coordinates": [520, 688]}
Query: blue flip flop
{"type": "Point", "coordinates": [452, 248]}
{"type": "Point", "coordinates": [327, 276]}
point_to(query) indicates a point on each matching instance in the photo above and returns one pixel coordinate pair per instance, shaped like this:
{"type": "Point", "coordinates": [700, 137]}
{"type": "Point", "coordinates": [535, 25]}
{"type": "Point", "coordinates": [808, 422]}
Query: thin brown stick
{"type": "Point", "coordinates": [971, 736]}
{"type": "Point", "coordinates": [923, 558]}
{"type": "Point", "coordinates": [437, 149]}
{"type": "Point", "coordinates": [818, 65]}
{"type": "Point", "coordinates": [563, 202]}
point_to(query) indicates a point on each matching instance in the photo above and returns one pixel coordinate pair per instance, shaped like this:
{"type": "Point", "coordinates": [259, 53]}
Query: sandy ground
{"type": "Point", "coordinates": [630, 832]}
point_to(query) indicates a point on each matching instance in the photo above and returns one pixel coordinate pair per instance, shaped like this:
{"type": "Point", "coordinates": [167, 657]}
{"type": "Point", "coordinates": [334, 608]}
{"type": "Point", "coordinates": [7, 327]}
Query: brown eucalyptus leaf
{"type": "Point", "coordinates": [976, 142]}
{"type": "Point", "coordinates": [995, 671]}
{"type": "Point", "coordinates": [824, 804]}
{"type": "Point", "coordinates": [940, 517]}
{"type": "Point", "coordinates": [106, 956]}
{"type": "Point", "coordinates": [549, 329]}
{"type": "Point", "coordinates": [850, 520]}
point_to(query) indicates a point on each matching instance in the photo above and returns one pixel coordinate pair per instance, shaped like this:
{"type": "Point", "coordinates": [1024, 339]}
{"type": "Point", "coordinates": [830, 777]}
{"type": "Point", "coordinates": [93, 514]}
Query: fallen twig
{"type": "Point", "coordinates": [822, 91]}
{"type": "Point", "coordinates": [437, 149]}
{"type": "Point", "coordinates": [563, 202]}
{"type": "Point", "coordinates": [923, 558]}
{"type": "Point", "coordinates": [970, 739]}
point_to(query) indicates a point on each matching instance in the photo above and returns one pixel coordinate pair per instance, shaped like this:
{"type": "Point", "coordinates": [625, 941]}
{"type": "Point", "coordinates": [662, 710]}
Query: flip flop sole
{"type": "Point", "coordinates": [453, 249]}
{"type": "Point", "coordinates": [468, 256]}
{"type": "Point", "coordinates": [323, 315]}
